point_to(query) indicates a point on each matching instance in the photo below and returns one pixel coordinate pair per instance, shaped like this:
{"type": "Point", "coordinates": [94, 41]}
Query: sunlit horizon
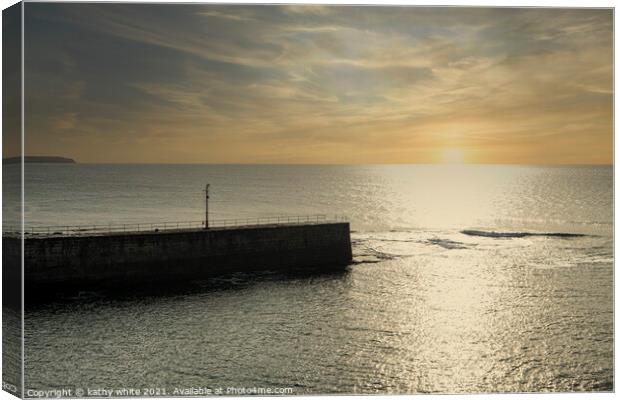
{"type": "Point", "coordinates": [435, 163]}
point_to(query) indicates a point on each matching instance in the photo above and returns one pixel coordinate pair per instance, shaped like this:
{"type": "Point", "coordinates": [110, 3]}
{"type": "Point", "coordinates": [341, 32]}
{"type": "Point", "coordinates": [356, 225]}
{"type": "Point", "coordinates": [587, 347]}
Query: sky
{"type": "Point", "coordinates": [122, 83]}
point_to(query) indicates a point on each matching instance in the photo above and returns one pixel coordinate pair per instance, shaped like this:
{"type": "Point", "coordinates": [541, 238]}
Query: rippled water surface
{"type": "Point", "coordinates": [465, 279]}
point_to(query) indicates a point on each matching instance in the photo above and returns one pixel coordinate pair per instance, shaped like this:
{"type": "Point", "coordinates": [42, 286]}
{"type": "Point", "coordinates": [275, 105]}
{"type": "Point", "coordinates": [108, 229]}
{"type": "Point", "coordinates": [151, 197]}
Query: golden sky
{"type": "Point", "coordinates": [316, 84]}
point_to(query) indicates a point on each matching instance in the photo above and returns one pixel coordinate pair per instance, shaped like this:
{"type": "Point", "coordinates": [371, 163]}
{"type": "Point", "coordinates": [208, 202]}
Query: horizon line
{"type": "Point", "coordinates": [313, 164]}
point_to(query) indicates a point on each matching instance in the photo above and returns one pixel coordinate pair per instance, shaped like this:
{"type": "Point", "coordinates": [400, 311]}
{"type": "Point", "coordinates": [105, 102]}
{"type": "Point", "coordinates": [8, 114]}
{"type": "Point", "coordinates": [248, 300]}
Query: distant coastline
{"type": "Point", "coordinates": [39, 159]}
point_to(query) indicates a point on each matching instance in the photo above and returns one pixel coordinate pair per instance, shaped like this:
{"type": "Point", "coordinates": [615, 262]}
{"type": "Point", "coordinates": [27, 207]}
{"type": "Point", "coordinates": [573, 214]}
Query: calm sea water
{"type": "Point", "coordinates": [426, 307]}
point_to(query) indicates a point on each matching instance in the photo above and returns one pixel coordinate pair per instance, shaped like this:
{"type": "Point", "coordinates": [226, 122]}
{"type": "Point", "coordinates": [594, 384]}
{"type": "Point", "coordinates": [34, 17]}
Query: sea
{"type": "Point", "coordinates": [465, 279]}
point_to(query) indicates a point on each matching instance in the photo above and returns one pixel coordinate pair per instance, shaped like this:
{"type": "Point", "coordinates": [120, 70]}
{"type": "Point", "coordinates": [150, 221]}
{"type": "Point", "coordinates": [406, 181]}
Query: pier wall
{"type": "Point", "coordinates": [187, 254]}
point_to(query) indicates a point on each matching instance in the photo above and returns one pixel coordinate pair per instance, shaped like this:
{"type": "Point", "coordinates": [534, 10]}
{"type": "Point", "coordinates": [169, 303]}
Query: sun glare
{"type": "Point", "coordinates": [453, 156]}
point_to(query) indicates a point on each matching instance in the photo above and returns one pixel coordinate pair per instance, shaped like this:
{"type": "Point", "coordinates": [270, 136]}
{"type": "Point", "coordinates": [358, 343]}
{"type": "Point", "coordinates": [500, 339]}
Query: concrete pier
{"type": "Point", "coordinates": [142, 257]}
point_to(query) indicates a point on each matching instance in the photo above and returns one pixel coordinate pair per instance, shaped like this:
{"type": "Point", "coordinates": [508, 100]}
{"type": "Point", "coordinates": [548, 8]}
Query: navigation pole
{"type": "Point", "coordinates": [207, 206]}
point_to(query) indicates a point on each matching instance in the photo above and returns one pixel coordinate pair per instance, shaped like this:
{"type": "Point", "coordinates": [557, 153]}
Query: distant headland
{"type": "Point", "coordinates": [39, 159]}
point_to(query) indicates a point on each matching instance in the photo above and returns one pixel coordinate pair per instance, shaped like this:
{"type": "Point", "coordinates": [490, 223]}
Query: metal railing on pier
{"type": "Point", "coordinates": [77, 230]}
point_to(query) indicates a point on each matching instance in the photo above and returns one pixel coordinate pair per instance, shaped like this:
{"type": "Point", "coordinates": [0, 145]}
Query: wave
{"type": "Point", "coordinates": [447, 243]}
{"type": "Point", "coordinates": [520, 234]}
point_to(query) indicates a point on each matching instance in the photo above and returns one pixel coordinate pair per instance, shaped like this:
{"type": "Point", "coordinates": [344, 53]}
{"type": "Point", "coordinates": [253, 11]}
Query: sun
{"type": "Point", "coordinates": [452, 156]}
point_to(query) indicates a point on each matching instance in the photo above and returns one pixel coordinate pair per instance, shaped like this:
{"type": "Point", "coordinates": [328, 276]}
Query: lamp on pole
{"type": "Point", "coordinates": [207, 206]}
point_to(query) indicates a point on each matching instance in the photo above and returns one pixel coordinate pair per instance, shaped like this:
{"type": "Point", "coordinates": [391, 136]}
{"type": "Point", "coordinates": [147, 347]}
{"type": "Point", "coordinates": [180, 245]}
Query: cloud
{"type": "Point", "coordinates": [192, 83]}
{"type": "Point", "coordinates": [223, 15]}
{"type": "Point", "coordinates": [307, 9]}
{"type": "Point", "coordinates": [66, 121]}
